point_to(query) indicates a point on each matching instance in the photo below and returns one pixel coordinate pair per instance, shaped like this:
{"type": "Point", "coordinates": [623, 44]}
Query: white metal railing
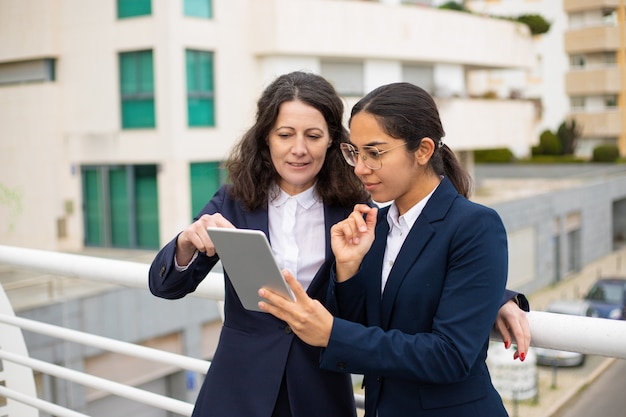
{"type": "Point", "coordinates": [582, 334]}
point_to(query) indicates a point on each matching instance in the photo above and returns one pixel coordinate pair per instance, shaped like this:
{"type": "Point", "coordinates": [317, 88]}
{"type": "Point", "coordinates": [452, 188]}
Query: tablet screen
{"type": "Point", "coordinates": [248, 260]}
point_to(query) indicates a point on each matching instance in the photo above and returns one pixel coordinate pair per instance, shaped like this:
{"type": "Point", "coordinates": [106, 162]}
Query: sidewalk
{"type": "Point", "coordinates": [568, 381]}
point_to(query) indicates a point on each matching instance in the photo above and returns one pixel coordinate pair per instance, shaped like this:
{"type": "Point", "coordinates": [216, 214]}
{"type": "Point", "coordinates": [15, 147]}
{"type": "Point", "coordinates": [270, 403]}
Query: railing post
{"type": "Point", "coordinates": [12, 376]}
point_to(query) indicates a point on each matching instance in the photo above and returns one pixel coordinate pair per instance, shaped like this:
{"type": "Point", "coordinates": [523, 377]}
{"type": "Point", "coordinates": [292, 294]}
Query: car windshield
{"type": "Point", "coordinates": [608, 293]}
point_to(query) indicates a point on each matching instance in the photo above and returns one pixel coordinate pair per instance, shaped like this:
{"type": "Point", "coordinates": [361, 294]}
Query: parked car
{"type": "Point", "coordinates": [554, 357]}
{"type": "Point", "coordinates": [608, 297]}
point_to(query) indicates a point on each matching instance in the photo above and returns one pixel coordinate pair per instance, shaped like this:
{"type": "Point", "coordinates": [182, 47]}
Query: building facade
{"type": "Point", "coordinates": [117, 114]}
{"type": "Point", "coordinates": [595, 44]}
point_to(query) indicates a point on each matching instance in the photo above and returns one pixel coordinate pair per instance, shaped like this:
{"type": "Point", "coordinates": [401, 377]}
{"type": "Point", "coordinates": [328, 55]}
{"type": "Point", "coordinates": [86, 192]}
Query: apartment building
{"type": "Point", "coordinates": [116, 114]}
{"type": "Point", "coordinates": [544, 81]}
{"type": "Point", "coordinates": [594, 42]}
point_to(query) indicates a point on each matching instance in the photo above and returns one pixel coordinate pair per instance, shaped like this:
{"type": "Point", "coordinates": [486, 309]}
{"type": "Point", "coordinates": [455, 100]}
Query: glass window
{"type": "Point", "coordinates": [121, 206]}
{"type": "Point", "coordinates": [610, 101]}
{"type": "Point", "coordinates": [38, 70]}
{"type": "Point", "coordinates": [420, 75]}
{"type": "Point", "coordinates": [200, 89]}
{"type": "Point", "coordinates": [577, 61]}
{"type": "Point", "coordinates": [346, 77]}
{"type": "Point", "coordinates": [137, 89]}
{"type": "Point", "coordinates": [577, 102]}
{"type": "Point", "coordinates": [132, 8]}
{"type": "Point", "coordinates": [205, 179]}
{"type": "Point", "coordinates": [198, 8]}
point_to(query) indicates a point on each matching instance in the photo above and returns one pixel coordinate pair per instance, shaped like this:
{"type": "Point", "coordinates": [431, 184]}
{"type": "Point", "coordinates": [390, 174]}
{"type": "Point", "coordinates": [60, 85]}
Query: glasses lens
{"type": "Point", "coordinates": [349, 153]}
{"type": "Point", "coordinates": [371, 157]}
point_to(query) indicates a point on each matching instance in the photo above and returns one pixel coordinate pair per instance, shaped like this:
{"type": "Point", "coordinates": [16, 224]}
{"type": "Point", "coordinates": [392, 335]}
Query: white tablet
{"type": "Point", "coordinates": [248, 260]}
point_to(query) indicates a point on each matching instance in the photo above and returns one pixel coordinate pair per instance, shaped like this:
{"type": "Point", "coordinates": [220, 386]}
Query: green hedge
{"type": "Point", "coordinates": [605, 153]}
{"type": "Point", "coordinates": [497, 155]}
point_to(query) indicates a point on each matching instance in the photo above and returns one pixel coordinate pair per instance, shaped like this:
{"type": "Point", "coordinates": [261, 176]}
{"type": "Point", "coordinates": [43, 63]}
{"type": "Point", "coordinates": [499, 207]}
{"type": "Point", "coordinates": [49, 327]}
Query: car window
{"type": "Point", "coordinates": [608, 293]}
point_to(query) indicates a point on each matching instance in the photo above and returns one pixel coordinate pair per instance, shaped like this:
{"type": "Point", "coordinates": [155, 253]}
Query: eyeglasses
{"type": "Point", "coordinates": [371, 155]}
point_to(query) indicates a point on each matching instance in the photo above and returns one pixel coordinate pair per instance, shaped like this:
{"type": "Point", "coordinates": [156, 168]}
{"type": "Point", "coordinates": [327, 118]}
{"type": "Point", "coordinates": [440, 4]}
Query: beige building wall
{"type": "Point", "coordinates": [51, 129]}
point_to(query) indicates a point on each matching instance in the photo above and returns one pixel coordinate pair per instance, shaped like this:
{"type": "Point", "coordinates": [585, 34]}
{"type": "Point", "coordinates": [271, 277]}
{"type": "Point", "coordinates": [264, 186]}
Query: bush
{"type": "Point", "coordinates": [536, 23]}
{"type": "Point", "coordinates": [549, 144]}
{"type": "Point", "coordinates": [497, 155]}
{"type": "Point", "coordinates": [453, 5]}
{"type": "Point", "coordinates": [605, 153]}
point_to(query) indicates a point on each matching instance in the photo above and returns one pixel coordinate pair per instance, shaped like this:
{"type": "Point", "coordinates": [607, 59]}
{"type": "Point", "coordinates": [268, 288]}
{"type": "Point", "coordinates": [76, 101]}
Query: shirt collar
{"type": "Point", "coordinates": [306, 198]}
{"type": "Point", "coordinates": [410, 217]}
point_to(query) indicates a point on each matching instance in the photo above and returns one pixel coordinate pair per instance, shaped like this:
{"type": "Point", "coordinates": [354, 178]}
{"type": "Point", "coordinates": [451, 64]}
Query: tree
{"type": "Point", "coordinates": [569, 132]}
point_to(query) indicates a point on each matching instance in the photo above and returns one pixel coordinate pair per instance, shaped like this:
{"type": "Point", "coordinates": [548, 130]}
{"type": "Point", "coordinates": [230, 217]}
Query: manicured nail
{"type": "Point", "coordinates": [515, 355]}
{"type": "Point", "coordinates": [507, 344]}
{"type": "Point", "coordinates": [522, 356]}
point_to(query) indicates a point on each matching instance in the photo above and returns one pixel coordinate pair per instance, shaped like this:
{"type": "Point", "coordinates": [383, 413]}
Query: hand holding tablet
{"type": "Point", "coordinates": [248, 261]}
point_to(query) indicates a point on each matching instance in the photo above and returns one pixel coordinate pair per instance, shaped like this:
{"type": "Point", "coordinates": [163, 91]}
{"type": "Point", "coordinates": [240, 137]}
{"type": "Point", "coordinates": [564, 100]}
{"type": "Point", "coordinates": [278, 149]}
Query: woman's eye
{"type": "Point", "coordinates": [372, 153]}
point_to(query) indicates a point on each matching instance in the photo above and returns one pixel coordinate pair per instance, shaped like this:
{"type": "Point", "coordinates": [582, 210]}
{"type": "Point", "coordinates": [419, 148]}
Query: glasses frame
{"type": "Point", "coordinates": [349, 151]}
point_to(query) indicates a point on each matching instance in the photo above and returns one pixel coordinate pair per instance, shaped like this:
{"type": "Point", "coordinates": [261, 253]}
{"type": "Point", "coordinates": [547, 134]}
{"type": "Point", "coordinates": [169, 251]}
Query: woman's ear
{"type": "Point", "coordinates": [425, 151]}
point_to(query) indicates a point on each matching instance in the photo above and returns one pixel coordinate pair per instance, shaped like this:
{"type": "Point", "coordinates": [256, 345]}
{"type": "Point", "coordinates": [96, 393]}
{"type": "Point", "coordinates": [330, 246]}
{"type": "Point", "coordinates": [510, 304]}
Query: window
{"type": "Point", "coordinates": [577, 61]}
{"type": "Point", "coordinates": [205, 179]}
{"type": "Point", "coordinates": [577, 102]}
{"type": "Point", "coordinates": [137, 90]}
{"type": "Point", "coordinates": [121, 206]}
{"type": "Point", "coordinates": [420, 75]}
{"type": "Point", "coordinates": [133, 8]}
{"type": "Point", "coordinates": [38, 70]}
{"type": "Point", "coordinates": [198, 8]}
{"type": "Point", "coordinates": [200, 90]}
{"type": "Point", "coordinates": [346, 77]}
{"type": "Point", "coordinates": [610, 101]}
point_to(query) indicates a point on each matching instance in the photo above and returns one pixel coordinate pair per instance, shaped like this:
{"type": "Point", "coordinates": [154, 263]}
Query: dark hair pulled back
{"type": "Point", "coordinates": [406, 111]}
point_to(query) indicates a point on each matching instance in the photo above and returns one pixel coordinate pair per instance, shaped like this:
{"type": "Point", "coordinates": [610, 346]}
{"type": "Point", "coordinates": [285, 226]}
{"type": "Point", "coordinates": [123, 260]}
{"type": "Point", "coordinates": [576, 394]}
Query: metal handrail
{"type": "Point", "coordinates": [111, 345]}
{"type": "Point", "coordinates": [556, 331]}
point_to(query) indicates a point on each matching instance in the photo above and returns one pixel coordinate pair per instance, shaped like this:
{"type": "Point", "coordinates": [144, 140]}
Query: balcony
{"type": "Point", "coordinates": [592, 39]}
{"type": "Point", "coordinates": [604, 123]}
{"type": "Point", "coordinates": [595, 81]}
{"type": "Point", "coordinates": [418, 34]}
{"type": "Point", "coordinates": [587, 335]}
{"type": "Point", "coordinates": [579, 5]}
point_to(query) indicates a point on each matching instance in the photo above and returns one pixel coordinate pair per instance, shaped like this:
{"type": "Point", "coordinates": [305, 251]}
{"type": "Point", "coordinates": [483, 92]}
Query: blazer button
{"type": "Point", "coordinates": [162, 271]}
{"type": "Point", "coordinates": [288, 330]}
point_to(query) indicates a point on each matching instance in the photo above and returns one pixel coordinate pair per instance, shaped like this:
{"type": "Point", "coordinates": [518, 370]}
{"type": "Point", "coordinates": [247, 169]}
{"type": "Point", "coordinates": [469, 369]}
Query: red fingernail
{"type": "Point", "coordinates": [507, 344]}
{"type": "Point", "coordinates": [515, 355]}
{"type": "Point", "coordinates": [522, 356]}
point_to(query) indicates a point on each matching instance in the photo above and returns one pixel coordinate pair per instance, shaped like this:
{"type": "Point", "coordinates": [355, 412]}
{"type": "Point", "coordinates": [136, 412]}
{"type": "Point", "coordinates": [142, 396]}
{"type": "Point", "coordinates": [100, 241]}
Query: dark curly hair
{"type": "Point", "coordinates": [250, 167]}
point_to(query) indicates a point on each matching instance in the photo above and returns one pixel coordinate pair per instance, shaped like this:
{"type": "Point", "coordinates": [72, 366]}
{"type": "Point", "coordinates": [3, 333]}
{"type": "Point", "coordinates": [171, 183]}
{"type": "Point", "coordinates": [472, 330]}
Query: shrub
{"type": "Point", "coordinates": [453, 5]}
{"type": "Point", "coordinates": [536, 23]}
{"type": "Point", "coordinates": [497, 155]}
{"type": "Point", "coordinates": [605, 153]}
{"type": "Point", "coordinates": [549, 144]}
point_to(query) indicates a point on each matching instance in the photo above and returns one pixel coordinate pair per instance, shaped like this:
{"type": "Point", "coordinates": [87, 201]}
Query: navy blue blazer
{"type": "Point", "coordinates": [256, 350]}
{"type": "Point", "coordinates": [422, 345]}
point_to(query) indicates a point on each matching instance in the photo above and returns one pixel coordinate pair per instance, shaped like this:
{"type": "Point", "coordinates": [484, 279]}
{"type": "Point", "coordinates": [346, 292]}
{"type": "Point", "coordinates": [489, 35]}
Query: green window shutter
{"type": "Point", "coordinates": [137, 89]}
{"type": "Point", "coordinates": [205, 179]}
{"type": "Point", "coordinates": [198, 8]}
{"type": "Point", "coordinates": [92, 203]}
{"type": "Point", "coordinates": [132, 8]}
{"type": "Point", "coordinates": [120, 203]}
{"type": "Point", "coordinates": [200, 88]}
{"type": "Point", "coordinates": [146, 207]}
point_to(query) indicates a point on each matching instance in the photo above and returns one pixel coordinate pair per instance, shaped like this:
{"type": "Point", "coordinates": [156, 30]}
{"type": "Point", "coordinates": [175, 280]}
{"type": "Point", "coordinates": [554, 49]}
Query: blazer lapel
{"type": "Point", "coordinates": [418, 237]}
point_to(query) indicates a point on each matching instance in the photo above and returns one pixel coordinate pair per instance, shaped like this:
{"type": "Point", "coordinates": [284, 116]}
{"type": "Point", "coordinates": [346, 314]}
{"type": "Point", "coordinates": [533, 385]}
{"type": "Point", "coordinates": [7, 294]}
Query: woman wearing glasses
{"type": "Point", "coordinates": [288, 166]}
{"type": "Point", "coordinates": [407, 277]}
